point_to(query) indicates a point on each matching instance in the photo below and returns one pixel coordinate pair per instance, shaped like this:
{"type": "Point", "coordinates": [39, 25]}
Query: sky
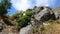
{"type": "Point", "coordinates": [26, 4]}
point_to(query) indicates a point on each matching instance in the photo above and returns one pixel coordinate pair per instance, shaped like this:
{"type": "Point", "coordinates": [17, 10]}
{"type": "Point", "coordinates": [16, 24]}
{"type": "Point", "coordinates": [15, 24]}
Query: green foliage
{"type": "Point", "coordinates": [17, 15]}
{"type": "Point", "coordinates": [24, 19]}
{"type": "Point", "coordinates": [4, 6]}
{"type": "Point", "coordinates": [29, 13]}
{"type": "Point", "coordinates": [2, 10]}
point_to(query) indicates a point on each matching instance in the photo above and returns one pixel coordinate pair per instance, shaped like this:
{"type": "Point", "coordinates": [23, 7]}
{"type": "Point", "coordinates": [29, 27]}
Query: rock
{"type": "Point", "coordinates": [41, 14]}
{"type": "Point", "coordinates": [45, 13]}
{"type": "Point", "coordinates": [57, 13]}
{"type": "Point", "coordinates": [1, 25]}
{"type": "Point", "coordinates": [26, 30]}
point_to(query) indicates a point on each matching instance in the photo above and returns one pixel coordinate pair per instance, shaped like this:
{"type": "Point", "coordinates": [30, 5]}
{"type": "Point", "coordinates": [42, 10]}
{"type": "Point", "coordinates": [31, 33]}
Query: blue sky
{"type": "Point", "coordinates": [25, 4]}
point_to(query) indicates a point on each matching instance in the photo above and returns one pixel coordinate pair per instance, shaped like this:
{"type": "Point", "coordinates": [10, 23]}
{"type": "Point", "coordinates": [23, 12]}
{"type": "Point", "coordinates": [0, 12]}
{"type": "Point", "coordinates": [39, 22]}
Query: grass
{"type": "Point", "coordinates": [53, 28]}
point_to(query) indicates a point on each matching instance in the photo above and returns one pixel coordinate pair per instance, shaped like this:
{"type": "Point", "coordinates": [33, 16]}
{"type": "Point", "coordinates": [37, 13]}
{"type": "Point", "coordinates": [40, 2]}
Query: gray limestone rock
{"type": "Point", "coordinates": [41, 14]}
{"type": "Point", "coordinates": [57, 14]}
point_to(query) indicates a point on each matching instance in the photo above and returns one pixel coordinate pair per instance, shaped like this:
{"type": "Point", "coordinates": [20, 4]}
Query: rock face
{"type": "Point", "coordinates": [7, 29]}
{"type": "Point", "coordinates": [41, 14]}
{"type": "Point", "coordinates": [26, 30]}
{"type": "Point", "coordinates": [57, 13]}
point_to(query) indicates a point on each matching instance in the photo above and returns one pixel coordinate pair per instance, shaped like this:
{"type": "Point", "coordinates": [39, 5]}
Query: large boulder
{"type": "Point", "coordinates": [57, 13]}
{"type": "Point", "coordinates": [41, 15]}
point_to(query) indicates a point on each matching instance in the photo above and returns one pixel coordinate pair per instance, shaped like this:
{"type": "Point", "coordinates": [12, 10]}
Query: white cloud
{"type": "Point", "coordinates": [25, 4]}
{"type": "Point", "coordinates": [21, 4]}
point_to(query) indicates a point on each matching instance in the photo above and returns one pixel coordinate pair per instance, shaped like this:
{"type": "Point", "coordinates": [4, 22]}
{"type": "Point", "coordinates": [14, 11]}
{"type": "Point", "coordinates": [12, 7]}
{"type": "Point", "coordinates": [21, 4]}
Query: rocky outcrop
{"type": "Point", "coordinates": [42, 14]}
{"type": "Point", "coordinates": [57, 13]}
{"type": "Point", "coordinates": [7, 29]}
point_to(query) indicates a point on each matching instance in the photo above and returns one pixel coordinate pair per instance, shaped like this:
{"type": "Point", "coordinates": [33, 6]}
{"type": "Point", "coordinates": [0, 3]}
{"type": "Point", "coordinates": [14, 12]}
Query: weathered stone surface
{"type": "Point", "coordinates": [41, 14]}
{"type": "Point", "coordinates": [26, 30]}
{"type": "Point", "coordinates": [7, 29]}
{"type": "Point", "coordinates": [57, 13]}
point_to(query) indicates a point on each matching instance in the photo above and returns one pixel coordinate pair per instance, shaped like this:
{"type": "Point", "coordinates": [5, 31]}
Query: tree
{"type": "Point", "coordinates": [4, 6]}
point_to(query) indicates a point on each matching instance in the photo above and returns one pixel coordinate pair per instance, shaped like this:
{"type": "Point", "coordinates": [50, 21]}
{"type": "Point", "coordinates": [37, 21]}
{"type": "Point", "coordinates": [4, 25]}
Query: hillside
{"type": "Point", "coordinates": [36, 20]}
{"type": "Point", "coordinates": [52, 28]}
{"type": "Point", "coordinates": [39, 20]}
{"type": "Point", "coordinates": [43, 21]}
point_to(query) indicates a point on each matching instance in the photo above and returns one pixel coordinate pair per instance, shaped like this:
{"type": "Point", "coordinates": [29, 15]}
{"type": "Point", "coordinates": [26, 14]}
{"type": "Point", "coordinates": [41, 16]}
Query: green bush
{"type": "Point", "coordinates": [24, 19]}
